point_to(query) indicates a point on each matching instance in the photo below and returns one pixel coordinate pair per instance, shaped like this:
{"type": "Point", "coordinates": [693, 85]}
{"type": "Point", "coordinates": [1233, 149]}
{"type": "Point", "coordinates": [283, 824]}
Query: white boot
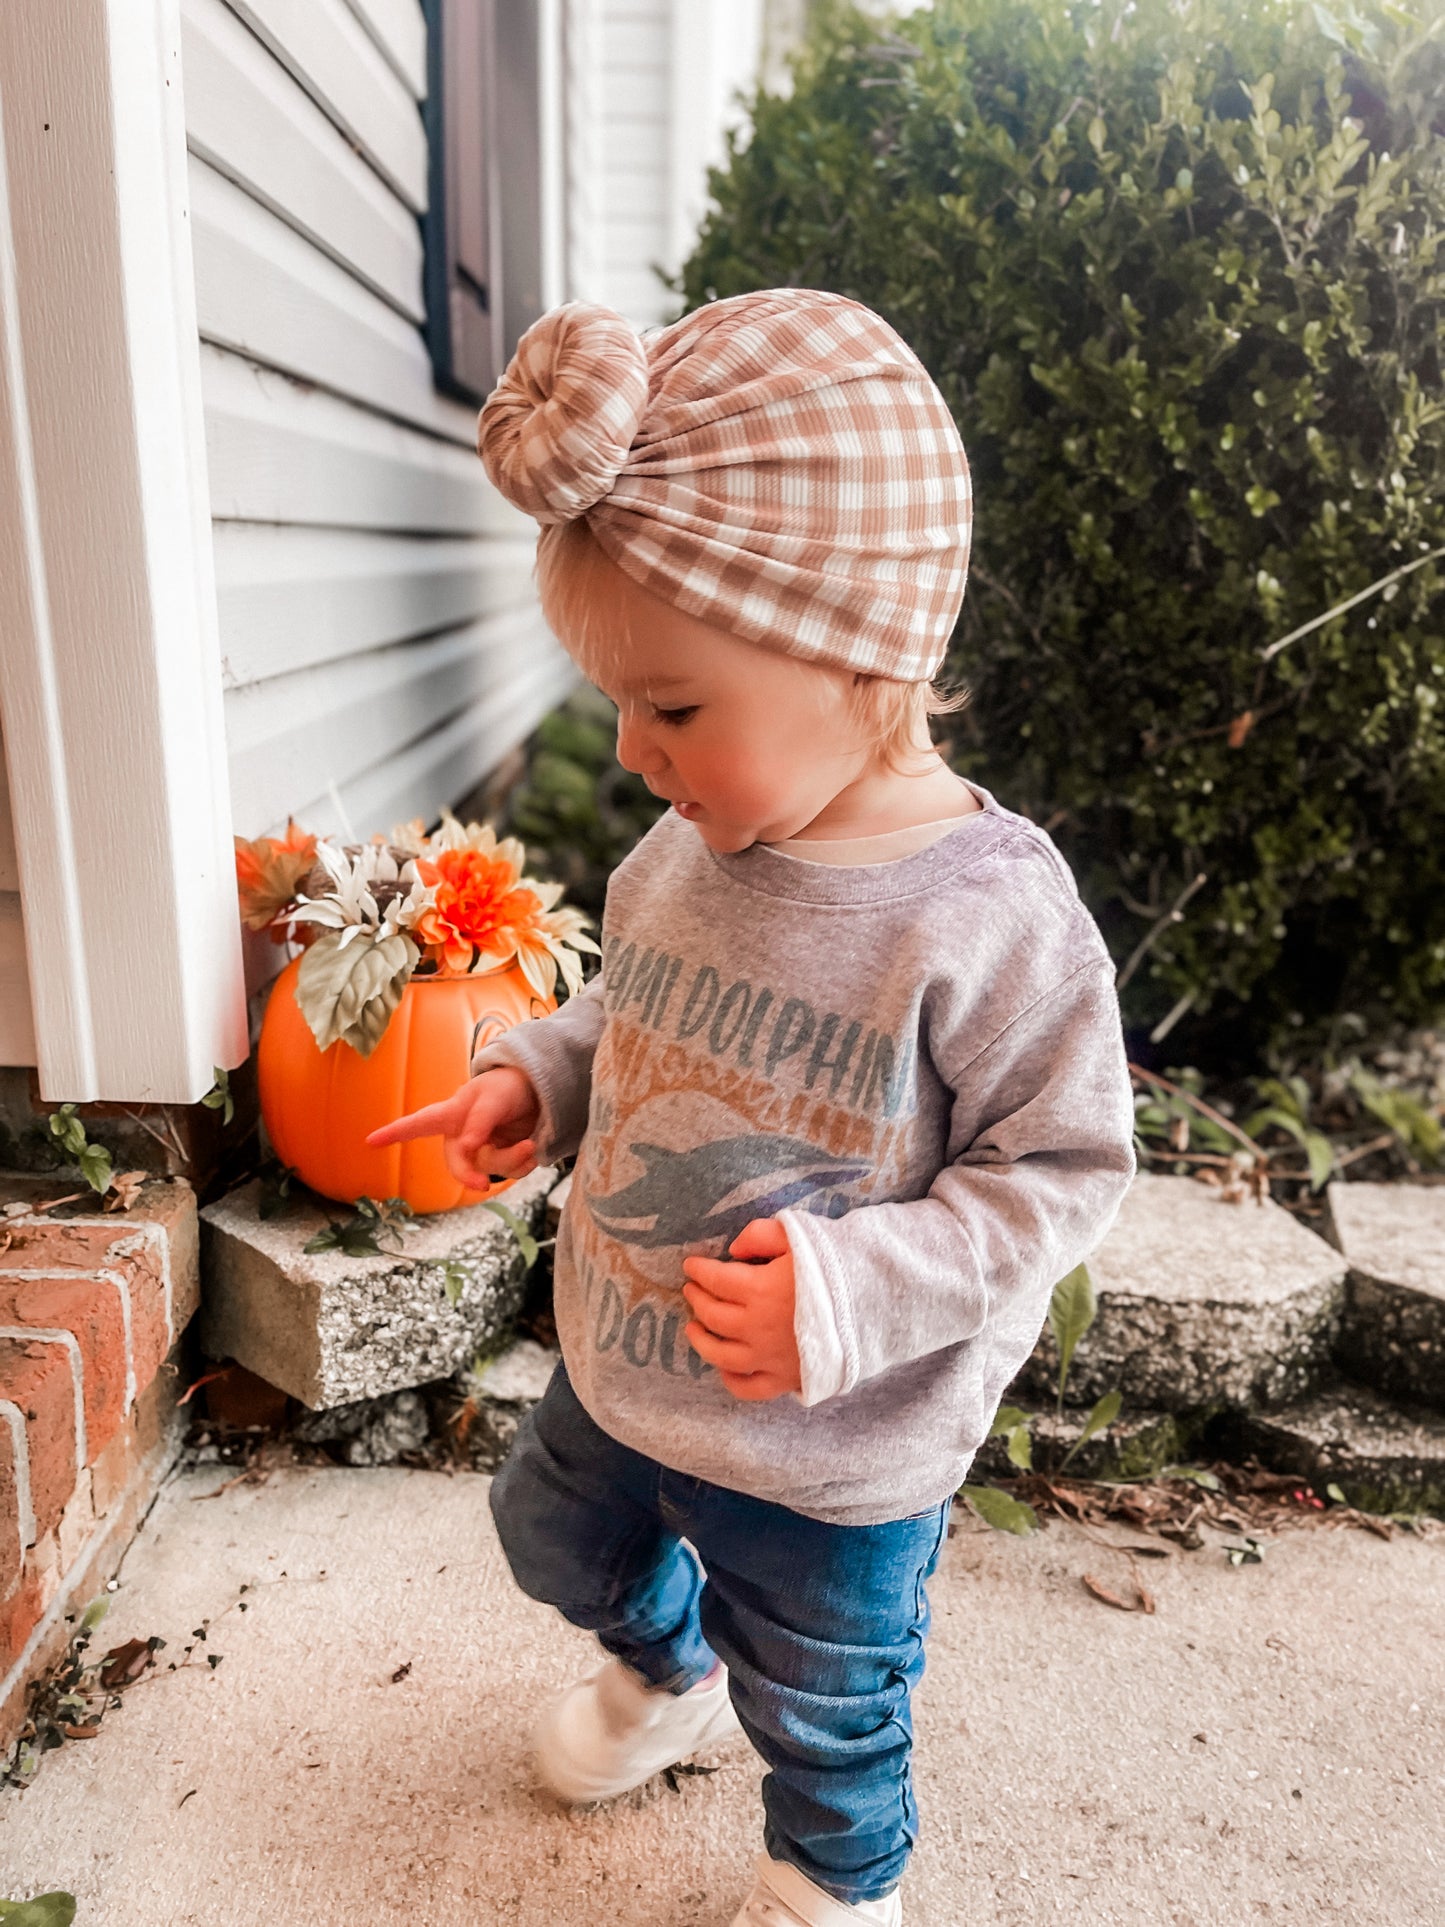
{"type": "Point", "coordinates": [783, 1897]}
{"type": "Point", "coordinates": [611, 1731]}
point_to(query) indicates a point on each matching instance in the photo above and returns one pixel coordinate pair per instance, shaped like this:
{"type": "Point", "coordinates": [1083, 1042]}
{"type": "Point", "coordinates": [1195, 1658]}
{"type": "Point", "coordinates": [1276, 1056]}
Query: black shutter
{"type": "Point", "coordinates": [483, 227]}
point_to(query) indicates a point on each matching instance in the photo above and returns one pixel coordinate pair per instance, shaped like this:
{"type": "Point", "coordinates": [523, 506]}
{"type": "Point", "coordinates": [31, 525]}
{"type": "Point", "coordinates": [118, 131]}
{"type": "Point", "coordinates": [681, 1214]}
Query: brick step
{"type": "Point", "coordinates": [90, 1308]}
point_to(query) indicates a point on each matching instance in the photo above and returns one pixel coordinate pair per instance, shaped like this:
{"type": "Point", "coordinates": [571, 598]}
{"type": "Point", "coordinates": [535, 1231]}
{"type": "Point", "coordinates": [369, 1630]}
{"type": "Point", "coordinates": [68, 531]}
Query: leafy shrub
{"type": "Point", "coordinates": [577, 810]}
{"type": "Point", "coordinates": [1177, 266]}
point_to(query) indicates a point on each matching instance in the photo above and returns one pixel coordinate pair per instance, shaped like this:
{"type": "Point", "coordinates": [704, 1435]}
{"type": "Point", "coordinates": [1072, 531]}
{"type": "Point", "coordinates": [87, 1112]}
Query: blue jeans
{"type": "Point", "coordinates": [821, 1626]}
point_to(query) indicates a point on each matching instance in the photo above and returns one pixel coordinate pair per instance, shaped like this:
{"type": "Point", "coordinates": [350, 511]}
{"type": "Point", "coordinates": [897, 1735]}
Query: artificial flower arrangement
{"type": "Point", "coordinates": [375, 916]}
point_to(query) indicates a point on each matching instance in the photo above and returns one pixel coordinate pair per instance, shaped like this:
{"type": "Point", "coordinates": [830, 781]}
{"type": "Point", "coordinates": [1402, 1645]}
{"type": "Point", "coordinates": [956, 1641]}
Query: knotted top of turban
{"type": "Point", "coordinates": [779, 464]}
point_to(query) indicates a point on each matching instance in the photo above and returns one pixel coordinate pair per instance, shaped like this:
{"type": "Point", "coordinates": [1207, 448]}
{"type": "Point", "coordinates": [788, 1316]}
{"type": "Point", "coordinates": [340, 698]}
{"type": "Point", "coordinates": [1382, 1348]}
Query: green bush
{"type": "Point", "coordinates": [1177, 266]}
{"type": "Point", "coordinates": [577, 810]}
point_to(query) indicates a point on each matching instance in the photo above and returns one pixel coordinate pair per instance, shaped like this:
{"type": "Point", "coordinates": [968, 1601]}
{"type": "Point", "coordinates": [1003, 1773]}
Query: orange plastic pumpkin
{"type": "Point", "coordinates": [320, 1105]}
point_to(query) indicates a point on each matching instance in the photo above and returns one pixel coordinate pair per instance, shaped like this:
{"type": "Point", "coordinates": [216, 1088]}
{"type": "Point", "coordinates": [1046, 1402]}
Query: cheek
{"type": "Point", "coordinates": [748, 781]}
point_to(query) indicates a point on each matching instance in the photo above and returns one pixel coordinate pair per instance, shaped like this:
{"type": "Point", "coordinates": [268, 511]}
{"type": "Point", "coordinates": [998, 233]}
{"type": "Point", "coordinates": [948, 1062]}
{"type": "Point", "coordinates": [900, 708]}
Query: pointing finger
{"type": "Point", "coordinates": [433, 1120]}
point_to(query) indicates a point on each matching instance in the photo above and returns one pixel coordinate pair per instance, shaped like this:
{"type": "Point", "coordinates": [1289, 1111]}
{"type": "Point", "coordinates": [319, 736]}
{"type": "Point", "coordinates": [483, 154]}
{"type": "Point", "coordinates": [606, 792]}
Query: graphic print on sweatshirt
{"type": "Point", "coordinates": [716, 1102]}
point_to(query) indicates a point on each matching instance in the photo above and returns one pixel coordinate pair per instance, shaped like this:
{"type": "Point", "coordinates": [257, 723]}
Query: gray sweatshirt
{"type": "Point", "coordinates": [917, 1066]}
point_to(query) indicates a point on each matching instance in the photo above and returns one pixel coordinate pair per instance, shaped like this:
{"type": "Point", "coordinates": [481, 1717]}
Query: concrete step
{"type": "Point", "coordinates": [1137, 1445]}
{"type": "Point", "coordinates": [332, 1329]}
{"type": "Point", "coordinates": [1201, 1303]}
{"type": "Point", "coordinates": [1392, 1332]}
{"type": "Point", "coordinates": [1382, 1457]}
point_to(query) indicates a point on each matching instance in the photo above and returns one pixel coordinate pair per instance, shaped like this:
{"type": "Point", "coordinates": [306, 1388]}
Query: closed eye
{"type": "Point", "coordinates": [674, 717]}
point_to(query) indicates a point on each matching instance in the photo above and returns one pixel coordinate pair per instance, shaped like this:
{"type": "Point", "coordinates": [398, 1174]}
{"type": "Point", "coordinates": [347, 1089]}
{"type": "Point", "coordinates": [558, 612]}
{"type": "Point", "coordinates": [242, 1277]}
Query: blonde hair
{"type": "Point", "coordinates": [572, 581]}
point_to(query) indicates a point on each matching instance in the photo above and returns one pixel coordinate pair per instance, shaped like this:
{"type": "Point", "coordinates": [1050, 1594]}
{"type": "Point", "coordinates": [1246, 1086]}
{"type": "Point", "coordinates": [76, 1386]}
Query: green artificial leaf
{"type": "Point", "coordinates": [347, 991]}
{"type": "Point", "coordinates": [1021, 1448]}
{"type": "Point", "coordinates": [1000, 1510]}
{"type": "Point", "coordinates": [1072, 1310]}
{"type": "Point", "coordinates": [1334, 1492]}
{"type": "Point", "coordinates": [95, 1612]}
{"type": "Point", "coordinates": [219, 1098]}
{"type": "Point", "coordinates": [1099, 1420]}
{"type": "Point", "coordinates": [1006, 1418]}
{"type": "Point", "coordinates": [95, 1167]}
{"type": "Point", "coordinates": [46, 1910]}
{"type": "Point", "coordinates": [526, 1243]}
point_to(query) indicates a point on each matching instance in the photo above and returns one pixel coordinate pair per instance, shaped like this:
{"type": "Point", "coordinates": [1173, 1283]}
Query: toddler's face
{"type": "Point", "coordinates": [748, 745]}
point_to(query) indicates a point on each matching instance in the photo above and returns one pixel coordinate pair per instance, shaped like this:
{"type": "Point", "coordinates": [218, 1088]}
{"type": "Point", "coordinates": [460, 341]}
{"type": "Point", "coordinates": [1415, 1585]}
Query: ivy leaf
{"type": "Point", "coordinates": [67, 1127]}
{"type": "Point", "coordinates": [526, 1243]}
{"type": "Point", "coordinates": [219, 1098]}
{"type": "Point", "coordinates": [94, 1613]}
{"type": "Point", "coordinates": [275, 1191]}
{"type": "Point", "coordinates": [1021, 1448]}
{"type": "Point", "coordinates": [348, 991]}
{"type": "Point", "coordinates": [352, 1237]}
{"type": "Point", "coordinates": [999, 1510]}
{"type": "Point", "coordinates": [455, 1276]}
{"type": "Point", "coordinates": [1072, 1310]}
{"type": "Point", "coordinates": [95, 1167]}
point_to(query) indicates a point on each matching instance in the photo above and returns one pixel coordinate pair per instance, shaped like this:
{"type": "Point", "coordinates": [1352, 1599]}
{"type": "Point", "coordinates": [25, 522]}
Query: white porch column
{"type": "Point", "coordinates": [109, 667]}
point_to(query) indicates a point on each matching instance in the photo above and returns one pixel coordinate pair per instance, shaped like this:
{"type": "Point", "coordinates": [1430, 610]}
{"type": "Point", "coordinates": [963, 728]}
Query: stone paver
{"type": "Point", "coordinates": [503, 1393]}
{"type": "Point", "coordinates": [1269, 1746]}
{"type": "Point", "coordinates": [331, 1329]}
{"type": "Point", "coordinates": [1382, 1459]}
{"type": "Point", "coordinates": [1393, 1330]}
{"type": "Point", "coordinates": [1202, 1302]}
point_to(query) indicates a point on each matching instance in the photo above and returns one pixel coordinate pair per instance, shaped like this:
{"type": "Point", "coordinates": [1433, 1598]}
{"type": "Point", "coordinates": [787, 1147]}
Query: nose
{"type": "Point", "coordinates": [637, 749]}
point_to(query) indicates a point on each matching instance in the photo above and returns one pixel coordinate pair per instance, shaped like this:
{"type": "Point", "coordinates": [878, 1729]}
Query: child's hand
{"type": "Point", "coordinates": [486, 1126]}
{"type": "Point", "coordinates": [743, 1313]}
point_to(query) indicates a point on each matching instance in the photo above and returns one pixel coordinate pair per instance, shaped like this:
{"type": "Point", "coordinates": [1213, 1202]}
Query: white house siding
{"type": "Point", "coordinates": [670, 73]}
{"type": "Point", "coordinates": [381, 644]}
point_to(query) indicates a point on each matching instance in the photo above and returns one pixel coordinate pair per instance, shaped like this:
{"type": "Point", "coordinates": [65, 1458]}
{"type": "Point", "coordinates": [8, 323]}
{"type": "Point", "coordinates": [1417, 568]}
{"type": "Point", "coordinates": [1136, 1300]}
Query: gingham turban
{"type": "Point", "coordinates": [780, 465]}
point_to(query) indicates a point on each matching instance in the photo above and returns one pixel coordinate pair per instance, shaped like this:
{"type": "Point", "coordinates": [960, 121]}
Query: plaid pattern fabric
{"type": "Point", "coordinates": [778, 464]}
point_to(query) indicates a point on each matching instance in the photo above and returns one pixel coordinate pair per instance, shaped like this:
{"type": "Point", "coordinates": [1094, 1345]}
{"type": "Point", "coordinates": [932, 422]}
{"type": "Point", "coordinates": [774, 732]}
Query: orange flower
{"type": "Point", "coordinates": [268, 874]}
{"type": "Point", "coordinates": [480, 906]}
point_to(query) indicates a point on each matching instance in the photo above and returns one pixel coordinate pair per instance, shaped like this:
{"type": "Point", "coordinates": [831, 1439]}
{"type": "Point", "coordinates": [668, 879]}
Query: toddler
{"type": "Point", "coordinates": [847, 1097]}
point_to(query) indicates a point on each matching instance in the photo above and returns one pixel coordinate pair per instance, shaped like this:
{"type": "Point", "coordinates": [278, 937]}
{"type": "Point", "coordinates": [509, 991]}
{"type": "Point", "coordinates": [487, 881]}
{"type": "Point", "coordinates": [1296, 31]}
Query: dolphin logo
{"type": "Point", "coordinates": [681, 1195]}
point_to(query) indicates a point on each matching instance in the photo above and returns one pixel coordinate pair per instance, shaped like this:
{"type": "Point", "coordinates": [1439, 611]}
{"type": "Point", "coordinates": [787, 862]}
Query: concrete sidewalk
{"type": "Point", "coordinates": [1269, 1746]}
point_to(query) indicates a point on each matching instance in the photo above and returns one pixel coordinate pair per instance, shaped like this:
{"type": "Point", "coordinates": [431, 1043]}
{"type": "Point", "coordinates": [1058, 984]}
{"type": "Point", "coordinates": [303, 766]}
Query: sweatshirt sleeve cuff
{"type": "Point", "coordinates": [554, 1141]}
{"type": "Point", "coordinates": [823, 1350]}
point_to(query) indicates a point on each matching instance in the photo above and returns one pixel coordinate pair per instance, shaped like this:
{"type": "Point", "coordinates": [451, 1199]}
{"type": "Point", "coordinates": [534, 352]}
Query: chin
{"type": "Point", "coordinates": [722, 839]}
